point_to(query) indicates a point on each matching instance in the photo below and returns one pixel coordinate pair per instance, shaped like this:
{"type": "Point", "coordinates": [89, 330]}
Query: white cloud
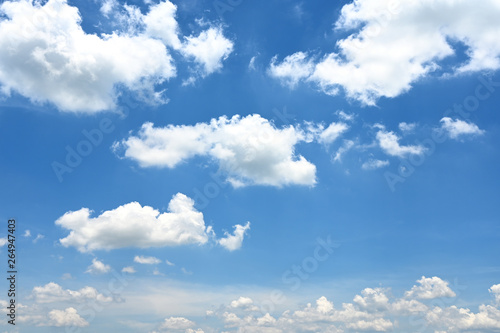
{"type": "Point", "coordinates": [374, 164]}
{"type": "Point", "coordinates": [455, 319]}
{"type": "Point", "coordinates": [52, 292]}
{"type": "Point", "coordinates": [146, 260]}
{"type": "Point", "coordinates": [46, 56]}
{"type": "Point", "coordinates": [458, 128]}
{"type": "Point", "coordinates": [3, 241]}
{"type": "Point", "coordinates": [37, 238]}
{"type": "Point", "coordinates": [430, 288]}
{"type": "Point", "coordinates": [128, 269]}
{"type": "Point", "coordinates": [346, 146]}
{"type": "Point", "coordinates": [394, 44]}
{"type": "Point", "coordinates": [27, 233]}
{"type": "Point", "coordinates": [389, 142]}
{"type": "Point", "coordinates": [406, 127]}
{"type": "Point", "coordinates": [292, 69]}
{"type": "Point", "coordinates": [169, 263]}
{"type": "Point", "coordinates": [177, 323]}
{"type": "Point", "coordinates": [161, 23]}
{"type": "Point", "coordinates": [329, 134]}
{"type": "Point", "coordinates": [250, 150]}
{"type": "Point", "coordinates": [234, 241]}
{"type": "Point", "coordinates": [133, 225]}
{"type": "Point", "coordinates": [64, 318]}
{"type": "Point", "coordinates": [98, 267]}
{"type": "Point", "coordinates": [208, 49]}
{"type": "Point", "coordinates": [245, 303]}
{"type": "Point", "coordinates": [495, 290]}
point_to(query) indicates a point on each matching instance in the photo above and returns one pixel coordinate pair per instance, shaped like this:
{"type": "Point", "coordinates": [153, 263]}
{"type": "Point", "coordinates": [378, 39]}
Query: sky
{"type": "Point", "coordinates": [251, 166]}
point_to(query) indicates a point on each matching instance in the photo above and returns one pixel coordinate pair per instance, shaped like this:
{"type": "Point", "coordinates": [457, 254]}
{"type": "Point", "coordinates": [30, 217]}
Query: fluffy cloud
{"type": "Point", "coordinates": [430, 288]}
{"type": "Point", "coordinates": [52, 292]}
{"type": "Point", "coordinates": [208, 49]}
{"type": "Point", "coordinates": [455, 319]}
{"type": "Point", "coordinates": [245, 303]}
{"type": "Point", "coordinates": [389, 142]}
{"type": "Point", "coordinates": [250, 150]}
{"type": "Point", "coordinates": [98, 267]}
{"type": "Point", "coordinates": [146, 260]}
{"type": "Point", "coordinates": [64, 318]}
{"type": "Point", "coordinates": [458, 128]}
{"type": "Point", "coordinates": [176, 323]}
{"type": "Point", "coordinates": [394, 44]}
{"type": "Point", "coordinates": [495, 290]}
{"type": "Point", "coordinates": [129, 269]}
{"type": "Point", "coordinates": [133, 225]}
{"type": "Point", "coordinates": [46, 56]}
{"type": "Point", "coordinates": [234, 241]}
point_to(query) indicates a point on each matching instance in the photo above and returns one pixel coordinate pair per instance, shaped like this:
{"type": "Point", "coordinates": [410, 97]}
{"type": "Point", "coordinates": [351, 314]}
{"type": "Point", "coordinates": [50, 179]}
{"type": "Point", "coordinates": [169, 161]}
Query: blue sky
{"type": "Point", "coordinates": [264, 166]}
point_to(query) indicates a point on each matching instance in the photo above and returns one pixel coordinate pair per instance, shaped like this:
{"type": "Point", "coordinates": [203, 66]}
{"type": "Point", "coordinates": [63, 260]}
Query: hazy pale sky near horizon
{"type": "Point", "coordinates": [251, 166]}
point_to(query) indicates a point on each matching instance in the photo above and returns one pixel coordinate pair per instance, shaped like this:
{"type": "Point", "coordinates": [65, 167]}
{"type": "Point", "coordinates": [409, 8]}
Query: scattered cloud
{"type": "Point", "coordinates": [374, 164]}
{"type": "Point", "coordinates": [146, 260]}
{"type": "Point", "coordinates": [133, 225]}
{"type": "Point", "coordinates": [169, 263]}
{"type": "Point", "coordinates": [430, 288]}
{"type": "Point", "coordinates": [250, 150]}
{"type": "Point", "coordinates": [389, 142]}
{"type": "Point", "coordinates": [52, 292]}
{"type": "Point", "coordinates": [407, 127]}
{"type": "Point", "coordinates": [77, 71]}
{"type": "Point", "coordinates": [3, 241]}
{"type": "Point", "coordinates": [458, 128]}
{"type": "Point", "coordinates": [37, 238]}
{"type": "Point", "coordinates": [65, 318]}
{"type": "Point", "coordinates": [128, 269]}
{"type": "Point", "coordinates": [346, 146]}
{"type": "Point", "coordinates": [234, 241]}
{"type": "Point", "coordinates": [393, 45]}
{"type": "Point", "coordinates": [98, 267]}
{"type": "Point", "coordinates": [27, 233]}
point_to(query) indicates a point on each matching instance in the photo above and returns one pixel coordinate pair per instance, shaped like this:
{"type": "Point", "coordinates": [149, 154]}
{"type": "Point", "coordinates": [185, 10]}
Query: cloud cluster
{"type": "Point", "coordinates": [52, 292]}
{"type": "Point", "coordinates": [46, 56]}
{"type": "Point", "coordinates": [250, 150]}
{"type": "Point", "coordinates": [133, 225]}
{"type": "Point", "coordinates": [396, 43]}
{"type": "Point", "coordinates": [374, 310]}
{"type": "Point", "coordinates": [456, 128]}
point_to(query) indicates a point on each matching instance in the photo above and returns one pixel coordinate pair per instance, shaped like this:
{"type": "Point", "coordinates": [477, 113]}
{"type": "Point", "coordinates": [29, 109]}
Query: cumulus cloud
{"type": "Point", "coordinates": [129, 269]}
{"type": "Point", "coordinates": [64, 318]}
{"type": "Point", "coordinates": [146, 260]}
{"type": "Point", "coordinates": [46, 56]}
{"type": "Point", "coordinates": [458, 128]}
{"type": "Point", "coordinates": [234, 241]}
{"type": "Point", "coordinates": [133, 225]}
{"type": "Point", "coordinates": [245, 303]}
{"type": "Point", "coordinates": [52, 292]}
{"type": "Point", "coordinates": [495, 291]}
{"type": "Point", "coordinates": [430, 288]}
{"type": "Point", "coordinates": [454, 319]}
{"type": "Point", "coordinates": [389, 142]}
{"type": "Point", "coordinates": [208, 49]}
{"type": "Point", "coordinates": [98, 267]}
{"type": "Point", "coordinates": [394, 44]}
{"type": "Point", "coordinates": [250, 150]}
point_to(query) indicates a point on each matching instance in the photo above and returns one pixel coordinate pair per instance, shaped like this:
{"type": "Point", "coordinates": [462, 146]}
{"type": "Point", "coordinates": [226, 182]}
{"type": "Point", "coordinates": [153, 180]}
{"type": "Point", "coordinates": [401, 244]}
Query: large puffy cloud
{"type": "Point", "coordinates": [396, 43]}
{"type": "Point", "coordinates": [133, 225]}
{"type": "Point", "coordinates": [430, 288]}
{"type": "Point", "coordinates": [455, 319]}
{"type": "Point", "coordinates": [456, 128]}
{"type": "Point", "coordinates": [251, 150]}
{"type": "Point", "coordinates": [46, 56]}
{"type": "Point", "coordinates": [68, 317]}
{"type": "Point", "coordinates": [52, 292]}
